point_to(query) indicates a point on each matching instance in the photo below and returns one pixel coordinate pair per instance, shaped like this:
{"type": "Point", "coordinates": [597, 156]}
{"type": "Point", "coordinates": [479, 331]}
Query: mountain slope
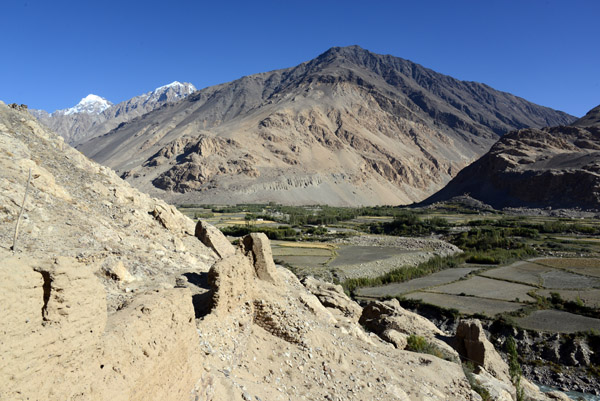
{"type": "Point", "coordinates": [348, 128]}
{"type": "Point", "coordinates": [555, 167]}
{"type": "Point", "coordinates": [591, 118]}
{"type": "Point", "coordinates": [95, 116]}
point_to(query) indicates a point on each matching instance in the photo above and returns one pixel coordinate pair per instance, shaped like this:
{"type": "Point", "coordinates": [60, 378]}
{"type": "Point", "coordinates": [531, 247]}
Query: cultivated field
{"type": "Point", "coordinates": [483, 287]}
{"type": "Point", "coordinates": [521, 272]}
{"type": "Point", "coordinates": [585, 266]}
{"type": "Point", "coordinates": [356, 254]}
{"type": "Point", "coordinates": [466, 305]}
{"type": "Point", "coordinates": [557, 321]}
{"type": "Point", "coordinates": [399, 289]}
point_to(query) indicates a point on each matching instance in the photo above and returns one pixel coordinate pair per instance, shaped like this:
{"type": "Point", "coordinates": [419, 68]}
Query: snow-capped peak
{"type": "Point", "coordinates": [91, 104]}
{"type": "Point", "coordinates": [185, 88]}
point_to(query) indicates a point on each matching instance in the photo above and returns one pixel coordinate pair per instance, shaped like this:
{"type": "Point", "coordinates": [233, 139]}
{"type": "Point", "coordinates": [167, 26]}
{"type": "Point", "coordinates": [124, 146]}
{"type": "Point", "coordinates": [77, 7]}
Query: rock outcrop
{"type": "Point", "coordinates": [394, 323]}
{"type": "Point", "coordinates": [491, 371]}
{"type": "Point", "coordinates": [214, 239]}
{"type": "Point", "coordinates": [258, 247]}
{"type": "Point", "coordinates": [472, 344]}
{"type": "Point", "coordinates": [333, 296]}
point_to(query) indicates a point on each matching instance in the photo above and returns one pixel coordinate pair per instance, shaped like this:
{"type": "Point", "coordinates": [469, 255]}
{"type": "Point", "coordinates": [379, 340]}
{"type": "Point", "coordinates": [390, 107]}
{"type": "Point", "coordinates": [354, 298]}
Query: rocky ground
{"type": "Point", "coordinates": [109, 294]}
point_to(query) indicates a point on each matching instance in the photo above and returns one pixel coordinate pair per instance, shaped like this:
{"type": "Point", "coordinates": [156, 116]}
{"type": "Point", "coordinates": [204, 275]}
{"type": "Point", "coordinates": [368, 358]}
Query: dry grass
{"type": "Point", "coordinates": [566, 263]}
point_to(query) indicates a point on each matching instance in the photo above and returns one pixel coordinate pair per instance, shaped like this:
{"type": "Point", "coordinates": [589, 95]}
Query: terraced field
{"type": "Point", "coordinates": [508, 289]}
{"type": "Point", "coordinates": [558, 321]}
{"type": "Point", "coordinates": [585, 266]}
{"type": "Point", "coordinates": [399, 289]}
{"type": "Point", "coordinates": [306, 258]}
{"type": "Point", "coordinates": [482, 287]}
{"type": "Point", "coordinates": [467, 305]}
{"type": "Point", "coordinates": [520, 272]}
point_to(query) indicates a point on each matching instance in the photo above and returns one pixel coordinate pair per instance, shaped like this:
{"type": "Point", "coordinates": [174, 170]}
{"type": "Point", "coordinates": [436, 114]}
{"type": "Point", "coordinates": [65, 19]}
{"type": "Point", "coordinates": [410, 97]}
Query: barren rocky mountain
{"type": "Point", "coordinates": [555, 167]}
{"type": "Point", "coordinates": [350, 127]}
{"type": "Point", "coordinates": [93, 118]}
{"type": "Point", "coordinates": [592, 118]}
{"type": "Point", "coordinates": [109, 294]}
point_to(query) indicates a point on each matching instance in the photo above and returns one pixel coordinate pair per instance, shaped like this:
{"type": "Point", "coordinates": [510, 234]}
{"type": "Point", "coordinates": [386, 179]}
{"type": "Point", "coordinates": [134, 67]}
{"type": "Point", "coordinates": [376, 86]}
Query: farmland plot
{"type": "Point", "coordinates": [397, 289]}
{"type": "Point", "coordinates": [585, 266]}
{"type": "Point", "coordinates": [484, 287]}
{"type": "Point", "coordinates": [558, 321]}
{"type": "Point", "coordinates": [522, 272]}
{"type": "Point", "coordinates": [466, 305]}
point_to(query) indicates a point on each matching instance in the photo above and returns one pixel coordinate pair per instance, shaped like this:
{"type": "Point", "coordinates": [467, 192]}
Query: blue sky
{"type": "Point", "coordinates": [56, 52]}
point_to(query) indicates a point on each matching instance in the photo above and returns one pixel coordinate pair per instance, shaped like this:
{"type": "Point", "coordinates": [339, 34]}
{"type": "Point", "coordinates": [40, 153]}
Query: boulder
{"type": "Point", "coordinates": [333, 296]}
{"type": "Point", "coordinates": [257, 245]}
{"type": "Point", "coordinates": [497, 389]}
{"type": "Point", "coordinates": [399, 340]}
{"type": "Point", "coordinates": [117, 271]}
{"type": "Point", "coordinates": [472, 344]}
{"type": "Point", "coordinates": [166, 215]}
{"type": "Point", "coordinates": [533, 393]}
{"type": "Point", "coordinates": [214, 239]}
{"type": "Point", "coordinates": [381, 317]}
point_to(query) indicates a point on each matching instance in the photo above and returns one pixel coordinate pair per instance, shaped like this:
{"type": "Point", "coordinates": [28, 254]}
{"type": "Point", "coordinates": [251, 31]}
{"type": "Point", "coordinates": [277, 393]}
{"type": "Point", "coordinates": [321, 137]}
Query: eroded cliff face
{"type": "Point", "coordinates": [110, 295]}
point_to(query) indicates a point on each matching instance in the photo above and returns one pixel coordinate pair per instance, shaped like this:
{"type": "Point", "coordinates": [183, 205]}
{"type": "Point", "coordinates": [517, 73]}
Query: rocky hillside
{"type": "Point", "coordinates": [592, 118]}
{"type": "Point", "coordinates": [348, 128]}
{"type": "Point", "coordinates": [555, 167]}
{"type": "Point", "coordinates": [95, 116]}
{"type": "Point", "coordinates": [109, 294]}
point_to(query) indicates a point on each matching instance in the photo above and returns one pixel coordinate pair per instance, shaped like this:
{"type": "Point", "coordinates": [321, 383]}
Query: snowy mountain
{"type": "Point", "coordinates": [146, 102]}
{"type": "Point", "coordinates": [94, 116]}
{"type": "Point", "coordinates": [91, 104]}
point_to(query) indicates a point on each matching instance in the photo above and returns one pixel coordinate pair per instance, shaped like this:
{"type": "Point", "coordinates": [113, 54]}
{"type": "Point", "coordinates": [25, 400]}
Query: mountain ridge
{"type": "Point", "coordinates": [349, 127]}
{"type": "Point", "coordinates": [94, 115]}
